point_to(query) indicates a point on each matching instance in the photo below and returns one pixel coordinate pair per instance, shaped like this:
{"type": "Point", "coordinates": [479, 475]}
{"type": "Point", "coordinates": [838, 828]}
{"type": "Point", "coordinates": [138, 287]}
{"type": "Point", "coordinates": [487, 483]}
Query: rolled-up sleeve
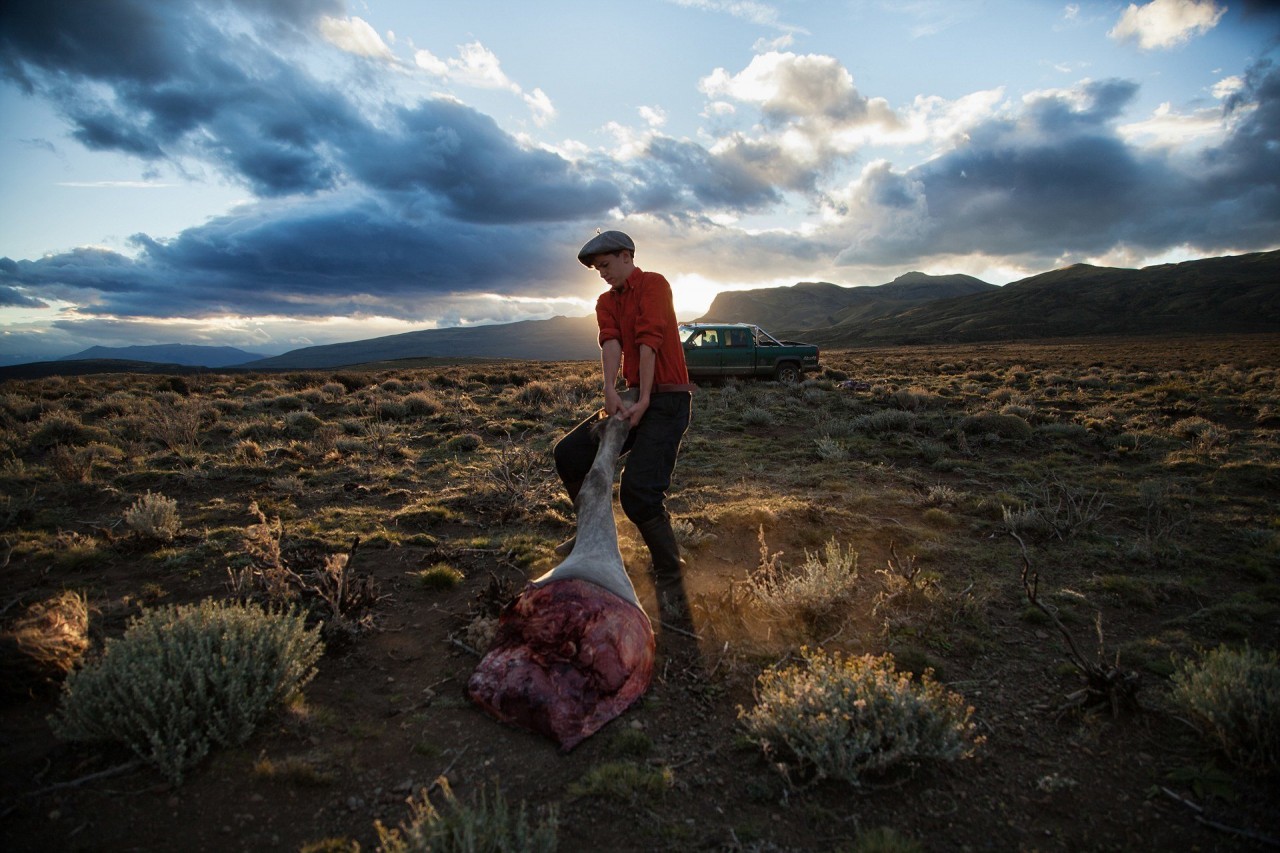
{"type": "Point", "coordinates": [610, 327]}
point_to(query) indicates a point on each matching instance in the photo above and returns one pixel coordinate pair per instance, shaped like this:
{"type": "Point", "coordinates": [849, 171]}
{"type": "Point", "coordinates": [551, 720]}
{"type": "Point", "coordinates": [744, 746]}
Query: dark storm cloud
{"type": "Point", "coordinates": [169, 80]}
{"type": "Point", "coordinates": [305, 260]}
{"type": "Point", "coordinates": [677, 175]}
{"type": "Point", "coordinates": [373, 216]}
{"type": "Point", "coordinates": [462, 156]}
{"type": "Point", "coordinates": [1060, 180]}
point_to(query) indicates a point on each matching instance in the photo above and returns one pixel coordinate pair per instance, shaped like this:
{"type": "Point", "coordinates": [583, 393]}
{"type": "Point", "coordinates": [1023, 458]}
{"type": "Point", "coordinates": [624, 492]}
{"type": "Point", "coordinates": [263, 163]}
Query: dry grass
{"type": "Point", "coordinates": [1144, 476]}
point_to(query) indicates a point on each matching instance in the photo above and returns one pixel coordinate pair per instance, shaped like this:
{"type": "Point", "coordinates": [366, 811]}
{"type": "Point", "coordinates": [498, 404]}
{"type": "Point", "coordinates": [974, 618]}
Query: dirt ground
{"type": "Point", "coordinates": [397, 719]}
{"type": "Point", "coordinates": [387, 716]}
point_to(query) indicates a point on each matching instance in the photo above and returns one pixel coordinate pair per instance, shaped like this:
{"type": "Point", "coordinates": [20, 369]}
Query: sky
{"type": "Point", "coordinates": [274, 174]}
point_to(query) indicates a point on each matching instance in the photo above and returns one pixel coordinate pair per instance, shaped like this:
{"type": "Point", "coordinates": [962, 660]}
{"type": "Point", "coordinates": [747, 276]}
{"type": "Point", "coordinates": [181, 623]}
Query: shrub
{"type": "Point", "coordinates": [247, 452]}
{"type": "Point", "coordinates": [883, 839]}
{"type": "Point", "coordinates": [1234, 698]}
{"type": "Point", "coordinates": [625, 781]}
{"type": "Point", "coordinates": [46, 642]}
{"type": "Point", "coordinates": [438, 577]}
{"type": "Point", "coordinates": [1008, 427]}
{"type": "Point", "coordinates": [60, 428]}
{"type": "Point", "coordinates": [301, 424]}
{"type": "Point", "coordinates": [846, 717]}
{"type": "Point", "coordinates": [824, 584]}
{"type": "Point", "coordinates": [182, 679]}
{"type": "Point", "coordinates": [831, 449]}
{"type": "Point", "coordinates": [536, 395]}
{"type": "Point", "coordinates": [488, 826]}
{"type": "Point", "coordinates": [421, 404]}
{"type": "Point", "coordinates": [464, 443]}
{"type": "Point", "coordinates": [154, 516]}
{"type": "Point", "coordinates": [886, 420]}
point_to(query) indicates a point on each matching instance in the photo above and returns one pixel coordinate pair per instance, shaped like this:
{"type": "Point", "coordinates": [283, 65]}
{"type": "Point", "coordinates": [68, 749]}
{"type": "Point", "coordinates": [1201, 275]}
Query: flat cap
{"type": "Point", "coordinates": [603, 243]}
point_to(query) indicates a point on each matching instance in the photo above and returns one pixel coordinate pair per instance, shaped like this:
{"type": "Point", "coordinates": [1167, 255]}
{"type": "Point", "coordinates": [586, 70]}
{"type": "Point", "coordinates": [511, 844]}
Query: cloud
{"type": "Point", "coordinates": [761, 14]}
{"type": "Point", "coordinates": [1059, 180]}
{"type": "Point", "coordinates": [812, 115]}
{"type": "Point", "coordinates": [1163, 24]}
{"type": "Point", "coordinates": [478, 67]}
{"type": "Point", "coordinates": [354, 35]}
{"type": "Point", "coordinates": [335, 257]}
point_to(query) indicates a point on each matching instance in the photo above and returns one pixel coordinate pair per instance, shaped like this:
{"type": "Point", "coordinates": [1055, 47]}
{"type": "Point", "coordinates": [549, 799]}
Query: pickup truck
{"type": "Point", "coordinates": [741, 349]}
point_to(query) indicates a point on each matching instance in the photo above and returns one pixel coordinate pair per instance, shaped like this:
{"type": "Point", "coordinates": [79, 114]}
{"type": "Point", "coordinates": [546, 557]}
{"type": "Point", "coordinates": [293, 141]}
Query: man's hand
{"type": "Point", "coordinates": [613, 404]}
{"type": "Point", "coordinates": [635, 411]}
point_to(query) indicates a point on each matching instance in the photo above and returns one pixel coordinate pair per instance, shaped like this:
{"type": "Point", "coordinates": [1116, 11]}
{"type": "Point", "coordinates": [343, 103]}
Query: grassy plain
{"type": "Point", "coordinates": [1141, 477]}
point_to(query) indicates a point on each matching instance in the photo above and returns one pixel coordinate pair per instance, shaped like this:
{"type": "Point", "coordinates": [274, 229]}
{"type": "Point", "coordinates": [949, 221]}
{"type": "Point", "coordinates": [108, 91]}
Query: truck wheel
{"type": "Point", "coordinates": [787, 373]}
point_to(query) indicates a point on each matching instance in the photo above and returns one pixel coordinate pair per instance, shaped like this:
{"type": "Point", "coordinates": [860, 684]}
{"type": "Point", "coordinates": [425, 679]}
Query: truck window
{"type": "Point", "coordinates": [706, 338]}
{"type": "Point", "coordinates": [738, 338]}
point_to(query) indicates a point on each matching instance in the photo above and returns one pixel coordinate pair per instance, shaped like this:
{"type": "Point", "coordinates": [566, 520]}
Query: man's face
{"type": "Point", "coordinates": [614, 269]}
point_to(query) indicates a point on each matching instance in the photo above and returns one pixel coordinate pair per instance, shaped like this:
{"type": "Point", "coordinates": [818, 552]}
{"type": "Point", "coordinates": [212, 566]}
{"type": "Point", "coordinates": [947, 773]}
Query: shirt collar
{"type": "Point", "coordinates": [629, 283]}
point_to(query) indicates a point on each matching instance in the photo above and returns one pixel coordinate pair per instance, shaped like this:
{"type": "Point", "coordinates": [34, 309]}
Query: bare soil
{"type": "Point", "coordinates": [387, 716]}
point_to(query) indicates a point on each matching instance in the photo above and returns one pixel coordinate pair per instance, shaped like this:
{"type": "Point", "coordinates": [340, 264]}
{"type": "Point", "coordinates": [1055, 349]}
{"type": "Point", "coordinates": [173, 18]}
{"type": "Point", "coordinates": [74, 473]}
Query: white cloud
{"type": "Point", "coordinates": [1163, 24]}
{"type": "Point", "coordinates": [757, 13]}
{"type": "Point", "coordinates": [1168, 129]}
{"type": "Point", "coordinates": [478, 66]}
{"type": "Point", "coordinates": [354, 35]}
{"type": "Point", "coordinates": [653, 116]}
{"type": "Point", "coordinates": [430, 63]}
{"type": "Point", "coordinates": [541, 107]}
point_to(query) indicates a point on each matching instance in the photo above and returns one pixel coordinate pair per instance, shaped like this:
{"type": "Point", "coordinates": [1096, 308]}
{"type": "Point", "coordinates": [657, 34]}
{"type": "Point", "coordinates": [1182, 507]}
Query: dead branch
{"type": "Point", "coordinates": [1221, 827]}
{"type": "Point", "coordinates": [118, 770]}
{"type": "Point", "coordinates": [1105, 684]}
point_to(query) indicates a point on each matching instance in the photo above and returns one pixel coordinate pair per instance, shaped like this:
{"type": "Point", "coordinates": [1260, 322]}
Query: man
{"type": "Point", "coordinates": [639, 333]}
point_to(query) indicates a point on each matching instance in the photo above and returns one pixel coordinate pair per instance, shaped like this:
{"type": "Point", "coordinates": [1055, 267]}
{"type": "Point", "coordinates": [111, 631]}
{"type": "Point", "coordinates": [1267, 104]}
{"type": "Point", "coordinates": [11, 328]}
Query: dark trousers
{"type": "Point", "coordinates": [650, 451]}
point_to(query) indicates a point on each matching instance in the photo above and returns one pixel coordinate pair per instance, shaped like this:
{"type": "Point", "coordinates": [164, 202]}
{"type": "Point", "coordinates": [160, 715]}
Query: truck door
{"type": "Point", "coordinates": [739, 357]}
{"type": "Point", "coordinates": [702, 351]}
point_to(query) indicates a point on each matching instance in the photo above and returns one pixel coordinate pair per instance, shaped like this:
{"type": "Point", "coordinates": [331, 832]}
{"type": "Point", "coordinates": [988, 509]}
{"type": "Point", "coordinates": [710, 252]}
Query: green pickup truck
{"type": "Point", "coordinates": [741, 349]}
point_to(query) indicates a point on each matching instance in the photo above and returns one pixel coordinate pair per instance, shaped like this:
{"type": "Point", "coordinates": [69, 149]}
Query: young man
{"type": "Point", "coordinates": [638, 332]}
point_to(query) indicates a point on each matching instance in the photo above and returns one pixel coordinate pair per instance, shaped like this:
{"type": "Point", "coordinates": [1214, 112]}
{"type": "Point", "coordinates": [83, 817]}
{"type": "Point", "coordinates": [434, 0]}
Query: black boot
{"type": "Point", "coordinates": [668, 577]}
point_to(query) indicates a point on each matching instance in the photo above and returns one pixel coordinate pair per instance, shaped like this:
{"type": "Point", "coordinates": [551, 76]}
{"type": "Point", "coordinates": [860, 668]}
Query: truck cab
{"type": "Point", "coordinates": [743, 350]}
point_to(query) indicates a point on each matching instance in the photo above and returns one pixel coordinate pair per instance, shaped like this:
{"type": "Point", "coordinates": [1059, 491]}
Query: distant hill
{"type": "Point", "coordinates": [1209, 296]}
{"type": "Point", "coordinates": [86, 367]}
{"type": "Point", "coordinates": [185, 354]}
{"type": "Point", "coordinates": [812, 305]}
{"type": "Point", "coordinates": [557, 339]}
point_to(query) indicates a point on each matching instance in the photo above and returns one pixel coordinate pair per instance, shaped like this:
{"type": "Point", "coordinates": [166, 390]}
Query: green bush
{"type": "Point", "coordinates": [846, 717]}
{"type": "Point", "coordinates": [886, 420]}
{"type": "Point", "coordinates": [154, 516]}
{"type": "Point", "coordinates": [182, 679]}
{"type": "Point", "coordinates": [489, 826]}
{"type": "Point", "coordinates": [1234, 698]}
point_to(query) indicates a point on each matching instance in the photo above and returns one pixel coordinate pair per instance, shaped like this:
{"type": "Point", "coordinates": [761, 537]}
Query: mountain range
{"type": "Point", "coordinates": [190, 355]}
{"type": "Point", "coordinates": [1234, 294]}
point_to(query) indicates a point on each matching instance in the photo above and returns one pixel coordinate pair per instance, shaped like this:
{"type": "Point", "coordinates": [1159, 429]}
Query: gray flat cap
{"type": "Point", "coordinates": [603, 243]}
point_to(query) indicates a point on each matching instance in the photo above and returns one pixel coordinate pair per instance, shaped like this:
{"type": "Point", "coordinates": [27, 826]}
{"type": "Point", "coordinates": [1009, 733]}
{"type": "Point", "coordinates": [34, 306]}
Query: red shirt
{"type": "Point", "coordinates": [641, 312]}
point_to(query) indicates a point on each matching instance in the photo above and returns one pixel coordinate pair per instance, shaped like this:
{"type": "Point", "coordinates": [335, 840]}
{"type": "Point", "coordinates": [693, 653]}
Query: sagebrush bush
{"type": "Point", "coordinates": [847, 717]}
{"type": "Point", "coordinates": [1008, 427]}
{"type": "Point", "coordinates": [183, 679]}
{"type": "Point", "coordinates": [154, 516]}
{"type": "Point", "coordinates": [488, 826]}
{"type": "Point", "coordinates": [823, 585]}
{"type": "Point", "coordinates": [886, 420]}
{"type": "Point", "coordinates": [1234, 698]}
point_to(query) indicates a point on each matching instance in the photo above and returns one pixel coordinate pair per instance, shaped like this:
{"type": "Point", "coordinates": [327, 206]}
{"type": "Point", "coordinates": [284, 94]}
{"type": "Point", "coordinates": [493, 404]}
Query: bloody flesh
{"type": "Point", "coordinates": [568, 657]}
